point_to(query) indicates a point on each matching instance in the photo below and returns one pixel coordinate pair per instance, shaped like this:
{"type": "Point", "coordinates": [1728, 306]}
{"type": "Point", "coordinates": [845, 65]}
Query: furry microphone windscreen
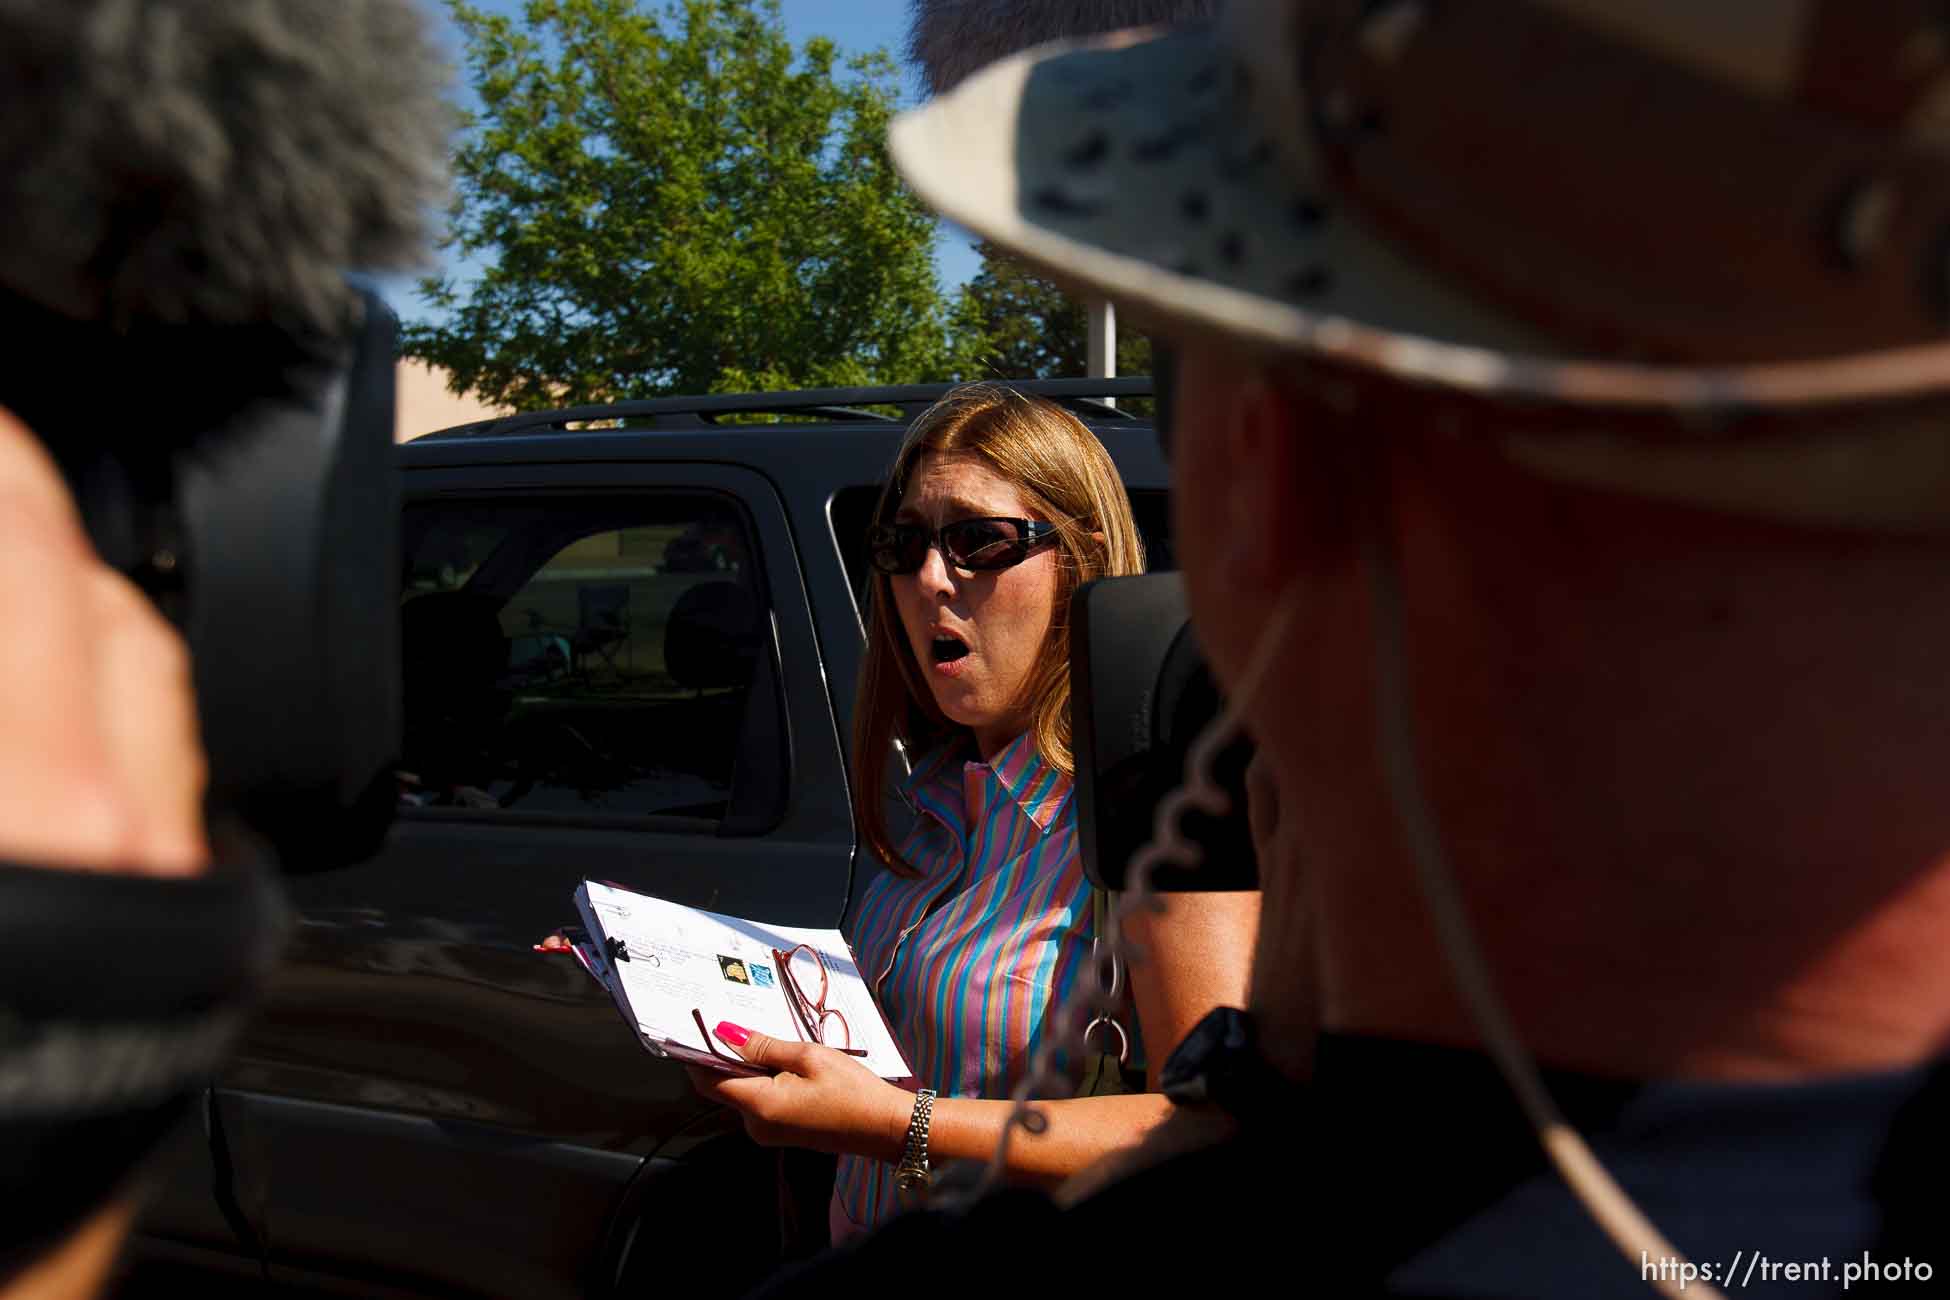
{"type": "Point", "coordinates": [950, 39]}
{"type": "Point", "coordinates": [215, 163]}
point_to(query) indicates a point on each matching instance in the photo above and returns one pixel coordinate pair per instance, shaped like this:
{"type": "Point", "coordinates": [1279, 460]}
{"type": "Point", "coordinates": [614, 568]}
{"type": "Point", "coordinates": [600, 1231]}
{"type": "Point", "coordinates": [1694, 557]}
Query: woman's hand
{"type": "Point", "coordinates": [820, 1098]}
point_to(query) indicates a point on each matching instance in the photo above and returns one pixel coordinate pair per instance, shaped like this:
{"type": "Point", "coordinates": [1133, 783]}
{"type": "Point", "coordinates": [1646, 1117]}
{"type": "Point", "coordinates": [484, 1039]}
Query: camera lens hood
{"type": "Point", "coordinates": [291, 523]}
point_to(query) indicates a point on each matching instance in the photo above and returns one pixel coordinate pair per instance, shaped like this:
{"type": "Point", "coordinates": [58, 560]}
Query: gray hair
{"type": "Point", "coordinates": [215, 161]}
{"type": "Point", "coordinates": [950, 39]}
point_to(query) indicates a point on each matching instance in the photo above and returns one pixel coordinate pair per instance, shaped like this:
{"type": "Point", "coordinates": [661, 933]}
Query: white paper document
{"type": "Point", "coordinates": [663, 962]}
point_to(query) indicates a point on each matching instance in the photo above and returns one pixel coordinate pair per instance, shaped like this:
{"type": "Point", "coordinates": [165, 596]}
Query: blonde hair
{"type": "Point", "coordinates": [1066, 478]}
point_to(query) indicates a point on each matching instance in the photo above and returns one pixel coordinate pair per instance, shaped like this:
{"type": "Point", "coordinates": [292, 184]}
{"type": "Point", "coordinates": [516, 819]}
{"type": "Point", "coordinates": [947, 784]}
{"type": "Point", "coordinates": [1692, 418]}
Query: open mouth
{"type": "Point", "coordinates": [948, 649]}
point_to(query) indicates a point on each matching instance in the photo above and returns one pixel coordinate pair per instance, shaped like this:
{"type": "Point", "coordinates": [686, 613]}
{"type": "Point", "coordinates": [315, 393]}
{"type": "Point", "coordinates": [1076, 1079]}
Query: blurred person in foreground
{"type": "Point", "coordinates": [1561, 440]}
{"type": "Point", "coordinates": [186, 186]}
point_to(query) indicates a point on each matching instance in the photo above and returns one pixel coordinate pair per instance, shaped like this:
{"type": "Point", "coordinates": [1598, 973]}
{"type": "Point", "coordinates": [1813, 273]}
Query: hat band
{"type": "Point", "coordinates": [1779, 231]}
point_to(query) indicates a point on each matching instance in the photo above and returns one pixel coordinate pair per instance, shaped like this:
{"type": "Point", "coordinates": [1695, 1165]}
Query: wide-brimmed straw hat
{"type": "Point", "coordinates": [1557, 222]}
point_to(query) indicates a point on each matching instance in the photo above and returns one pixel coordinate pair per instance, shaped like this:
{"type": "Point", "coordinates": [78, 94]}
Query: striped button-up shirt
{"type": "Point", "coordinates": [970, 958]}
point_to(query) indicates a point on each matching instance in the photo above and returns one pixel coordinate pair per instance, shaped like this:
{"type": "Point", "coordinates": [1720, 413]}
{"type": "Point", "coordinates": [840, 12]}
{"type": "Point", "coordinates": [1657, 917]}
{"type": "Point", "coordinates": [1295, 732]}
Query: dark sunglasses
{"type": "Point", "coordinates": [982, 544]}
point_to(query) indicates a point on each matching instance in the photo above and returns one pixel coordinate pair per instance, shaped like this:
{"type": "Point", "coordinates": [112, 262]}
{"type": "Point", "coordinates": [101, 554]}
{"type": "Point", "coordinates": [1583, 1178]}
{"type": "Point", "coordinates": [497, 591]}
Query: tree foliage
{"type": "Point", "coordinates": [676, 200]}
{"type": "Point", "coordinates": [1011, 323]}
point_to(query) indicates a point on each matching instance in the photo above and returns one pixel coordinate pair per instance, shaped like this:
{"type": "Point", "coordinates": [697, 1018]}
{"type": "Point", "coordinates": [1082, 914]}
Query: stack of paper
{"type": "Point", "coordinates": [670, 967]}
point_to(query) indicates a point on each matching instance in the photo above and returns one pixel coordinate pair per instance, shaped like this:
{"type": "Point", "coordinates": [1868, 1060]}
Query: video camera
{"type": "Point", "coordinates": [185, 200]}
{"type": "Point", "coordinates": [263, 521]}
{"type": "Point", "coordinates": [1140, 695]}
{"type": "Point", "coordinates": [246, 483]}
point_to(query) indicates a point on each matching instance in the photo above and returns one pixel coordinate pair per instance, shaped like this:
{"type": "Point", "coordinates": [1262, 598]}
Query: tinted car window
{"type": "Point", "coordinates": [1151, 507]}
{"type": "Point", "coordinates": [851, 512]}
{"type": "Point", "coordinates": [579, 657]}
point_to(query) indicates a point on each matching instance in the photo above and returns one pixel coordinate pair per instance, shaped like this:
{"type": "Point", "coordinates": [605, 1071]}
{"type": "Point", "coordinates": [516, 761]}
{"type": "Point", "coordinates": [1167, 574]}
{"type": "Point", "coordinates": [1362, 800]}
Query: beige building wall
{"type": "Point", "coordinates": [425, 404]}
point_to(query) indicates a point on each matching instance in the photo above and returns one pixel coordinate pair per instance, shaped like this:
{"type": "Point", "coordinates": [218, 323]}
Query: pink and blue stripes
{"type": "Point", "coordinates": [969, 959]}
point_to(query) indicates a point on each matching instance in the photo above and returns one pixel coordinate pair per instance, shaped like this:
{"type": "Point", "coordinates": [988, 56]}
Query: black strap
{"type": "Point", "coordinates": [1114, 1071]}
{"type": "Point", "coordinates": [119, 997]}
{"type": "Point", "coordinates": [1219, 1063]}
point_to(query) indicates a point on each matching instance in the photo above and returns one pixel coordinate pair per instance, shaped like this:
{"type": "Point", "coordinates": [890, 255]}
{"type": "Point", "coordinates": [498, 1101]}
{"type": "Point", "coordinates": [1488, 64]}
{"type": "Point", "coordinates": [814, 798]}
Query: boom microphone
{"type": "Point", "coordinates": [179, 163]}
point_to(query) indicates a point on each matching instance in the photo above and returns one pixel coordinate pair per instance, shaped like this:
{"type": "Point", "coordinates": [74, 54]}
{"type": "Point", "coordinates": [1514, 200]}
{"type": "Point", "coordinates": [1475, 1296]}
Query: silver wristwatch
{"type": "Point", "coordinates": [911, 1174]}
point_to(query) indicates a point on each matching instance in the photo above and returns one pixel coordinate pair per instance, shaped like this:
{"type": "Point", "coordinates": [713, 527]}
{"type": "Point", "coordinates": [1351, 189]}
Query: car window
{"type": "Point", "coordinates": [582, 657]}
{"type": "Point", "coordinates": [850, 513]}
{"type": "Point", "coordinates": [1151, 507]}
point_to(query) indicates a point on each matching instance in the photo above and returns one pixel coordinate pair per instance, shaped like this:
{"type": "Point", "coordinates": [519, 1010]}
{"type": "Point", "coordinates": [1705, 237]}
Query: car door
{"type": "Point", "coordinates": [610, 673]}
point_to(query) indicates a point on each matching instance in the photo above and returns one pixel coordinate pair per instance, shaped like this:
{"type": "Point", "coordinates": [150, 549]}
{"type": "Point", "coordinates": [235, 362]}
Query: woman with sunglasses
{"type": "Point", "coordinates": [980, 926]}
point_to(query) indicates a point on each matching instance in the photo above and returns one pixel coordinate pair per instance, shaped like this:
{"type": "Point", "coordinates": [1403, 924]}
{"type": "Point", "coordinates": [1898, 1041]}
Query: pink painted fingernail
{"type": "Point", "coordinates": [736, 1035]}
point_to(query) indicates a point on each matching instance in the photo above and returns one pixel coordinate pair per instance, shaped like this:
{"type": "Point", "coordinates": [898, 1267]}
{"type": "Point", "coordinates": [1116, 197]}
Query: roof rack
{"type": "Point", "coordinates": [1085, 397]}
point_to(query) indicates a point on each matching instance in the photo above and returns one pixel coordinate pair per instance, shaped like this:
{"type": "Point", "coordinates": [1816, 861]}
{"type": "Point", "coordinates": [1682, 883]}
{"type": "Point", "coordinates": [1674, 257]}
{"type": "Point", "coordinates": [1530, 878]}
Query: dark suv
{"type": "Point", "coordinates": [630, 635]}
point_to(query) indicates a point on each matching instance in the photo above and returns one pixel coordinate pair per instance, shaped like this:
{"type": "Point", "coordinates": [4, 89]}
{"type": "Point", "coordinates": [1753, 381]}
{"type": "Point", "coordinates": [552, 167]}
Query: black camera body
{"type": "Point", "coordinates": [245, 478]}
{"type": "Point", "coordinates": [266, 527]}
{"type": "Point", "coordinates": [1140, 694]}
{"type": "Point", "coordinates": [184, 199]}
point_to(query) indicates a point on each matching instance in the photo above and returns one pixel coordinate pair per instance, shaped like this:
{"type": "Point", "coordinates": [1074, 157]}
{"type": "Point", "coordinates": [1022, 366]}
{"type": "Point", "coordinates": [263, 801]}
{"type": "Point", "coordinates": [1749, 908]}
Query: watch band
{"type": "Point", "coordinates": [1219, 1063]}
{"type": "Point", "coordinates": [912, 1174]}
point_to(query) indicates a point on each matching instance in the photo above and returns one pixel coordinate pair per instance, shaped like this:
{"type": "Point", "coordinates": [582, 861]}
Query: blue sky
{"type": "Point", "coordinates": [854, 25]}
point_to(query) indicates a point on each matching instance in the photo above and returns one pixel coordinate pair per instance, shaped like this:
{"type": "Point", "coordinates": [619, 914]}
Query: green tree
{"type": "Point", "coordinates": [1011, 323]}
{"type": "Point", "coordinates": [676, 201]}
